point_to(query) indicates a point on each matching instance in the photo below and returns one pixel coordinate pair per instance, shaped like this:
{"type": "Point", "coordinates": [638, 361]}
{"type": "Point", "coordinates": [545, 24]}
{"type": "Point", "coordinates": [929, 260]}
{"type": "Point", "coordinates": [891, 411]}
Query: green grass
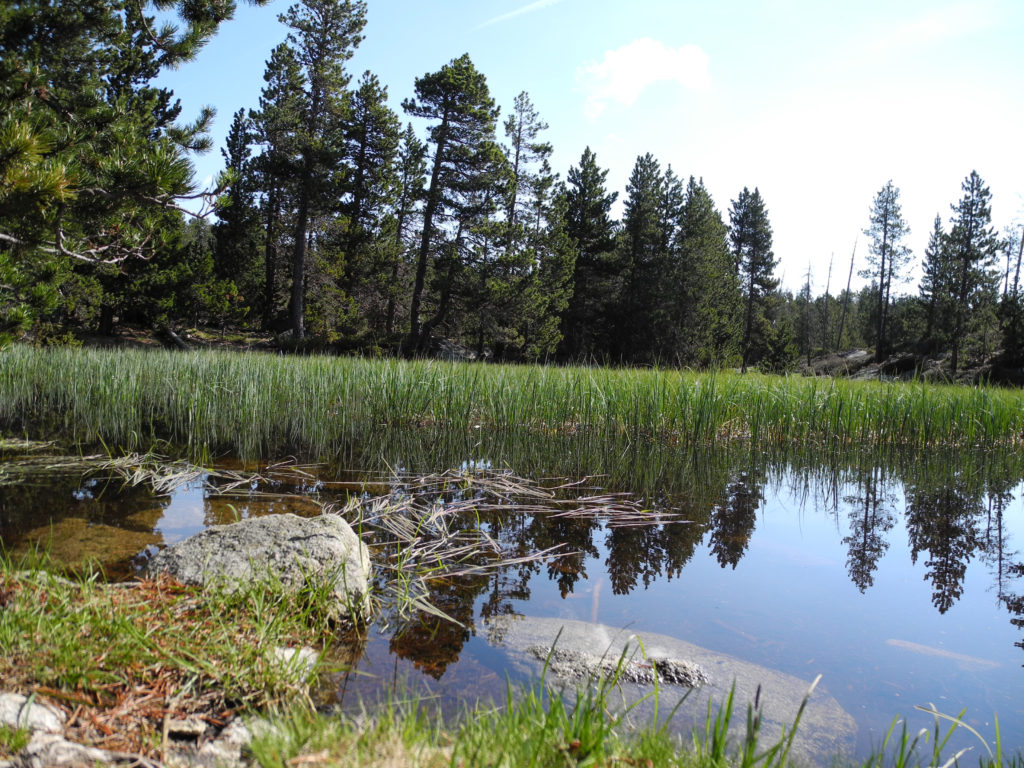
{"type": "Point", "coordinates": [260, 405]}
{"type": "Point", "coordinates": [132, 654]}
{"type": "Point", "coordinates": [538, 728]}
{"type": "Point", "coordinates": [13, 740]}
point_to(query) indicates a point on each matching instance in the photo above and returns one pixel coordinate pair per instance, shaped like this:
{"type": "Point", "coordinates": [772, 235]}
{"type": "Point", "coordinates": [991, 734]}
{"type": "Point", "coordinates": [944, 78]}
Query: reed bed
{"type": "Point", "coordinates": [261, 405]}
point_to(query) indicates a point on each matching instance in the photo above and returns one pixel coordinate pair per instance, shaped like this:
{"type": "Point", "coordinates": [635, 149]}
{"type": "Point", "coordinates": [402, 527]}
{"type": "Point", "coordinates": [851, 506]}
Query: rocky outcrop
{"type": "Point", "coordinates": [296, 551]}
{"type": "Point", "coordinates": [841, 363]}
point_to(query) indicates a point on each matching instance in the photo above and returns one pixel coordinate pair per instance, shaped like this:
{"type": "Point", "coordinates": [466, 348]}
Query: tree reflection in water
{"type": "Point", "coordinates": [871, 517]}
{"type": "Point", "coordinates": [952, 509]}
{"type": "Point", "coordinates": [943, 521]}
{"type": "Point", "coordinates": [733, 520]}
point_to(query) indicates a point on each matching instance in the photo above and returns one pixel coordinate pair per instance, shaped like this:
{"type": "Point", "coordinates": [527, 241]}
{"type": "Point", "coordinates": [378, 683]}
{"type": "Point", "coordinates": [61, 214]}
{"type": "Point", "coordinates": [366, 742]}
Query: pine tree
{"type": "Point", "coordinates": [804, 318]}
{"type": "Point", "coordinates": [887, 257]}
{"type": "Point", "coordinates": [936, 289]}
{"type": "Point", "coordinates": [528, 159]}
{"type": "Point", "coordinates": [411, 170]}
{"type": "Point", "coordinates": [524, 280]}
{"type": "Point", "coordinates": [707, 295]}
{"type": "Point", "coordinates": [643, 314]}
{"type": "Point", "coordinates": [324, 36]}
{"type": "Point", "coordinates": [91, 155]}
{"type": "Point", "coordinates": [1011, 307]}
{"type": "Point", "coordinates": [277, 127]}
{"type": "Point", "coordinates": [751, 237]}
{"type": "Point", "coordinates": [456, 99]}
{"type": "Point", "coordinates": [973, 247]}
{"type": "Point", "coordinates": [367, 230]}
{"type": "Point", "coordinates": [587, 208]}
{"type": "Point", "coordinates": [239, 233]}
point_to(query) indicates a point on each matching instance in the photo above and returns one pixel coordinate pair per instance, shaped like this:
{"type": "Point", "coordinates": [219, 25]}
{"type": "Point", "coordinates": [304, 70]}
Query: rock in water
{"type": "Point", "coordinates": [578, 652]}
{"type": "Point", "coordinates": [297, 551]}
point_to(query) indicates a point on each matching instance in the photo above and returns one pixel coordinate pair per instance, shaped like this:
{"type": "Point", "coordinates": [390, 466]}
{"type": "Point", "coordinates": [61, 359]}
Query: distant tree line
{"type": "Point", "coordinates": [339, 227]}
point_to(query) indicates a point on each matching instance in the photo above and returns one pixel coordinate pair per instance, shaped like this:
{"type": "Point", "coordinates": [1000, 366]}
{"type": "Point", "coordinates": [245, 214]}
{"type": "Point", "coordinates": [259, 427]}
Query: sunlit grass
{"type": "Point", "coordinates": [538, 726]}
{"type": "Point", "coordinates": [254, 404]}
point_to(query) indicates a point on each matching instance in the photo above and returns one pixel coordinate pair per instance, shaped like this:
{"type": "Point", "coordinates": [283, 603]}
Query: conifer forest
{"type": "Point", "coordinates": [340, 224]}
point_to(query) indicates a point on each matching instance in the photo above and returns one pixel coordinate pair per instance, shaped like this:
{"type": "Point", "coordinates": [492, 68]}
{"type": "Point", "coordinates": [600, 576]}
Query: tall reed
{"type": "Point", "coordinates": [255, 404]}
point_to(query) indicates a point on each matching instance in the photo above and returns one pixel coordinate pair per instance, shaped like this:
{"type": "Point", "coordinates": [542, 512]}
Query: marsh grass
{"type": "Point", "coordinates": [261, 405]}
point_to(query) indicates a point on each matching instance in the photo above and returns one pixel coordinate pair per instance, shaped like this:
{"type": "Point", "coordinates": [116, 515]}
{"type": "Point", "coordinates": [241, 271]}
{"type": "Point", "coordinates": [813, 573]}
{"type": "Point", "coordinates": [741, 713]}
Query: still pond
{"type": "Point", "coordinates": [899, 579]}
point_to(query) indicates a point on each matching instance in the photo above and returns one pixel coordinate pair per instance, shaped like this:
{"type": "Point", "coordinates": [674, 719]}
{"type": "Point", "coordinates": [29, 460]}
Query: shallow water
{"type": "Point", "coordinates": [894, 580]}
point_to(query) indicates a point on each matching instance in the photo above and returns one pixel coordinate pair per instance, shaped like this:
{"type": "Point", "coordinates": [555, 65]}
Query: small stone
{"type": "Point", "coordinates": [298, 663]}
{"type": "Point", "coordinates": [678, 672]}
{"type": "Point", "coordinates": [51, 750]}
{"type": "Point", "coordinates": [17, 712]}
{"type": "Point", "coordinates": [190, 727]}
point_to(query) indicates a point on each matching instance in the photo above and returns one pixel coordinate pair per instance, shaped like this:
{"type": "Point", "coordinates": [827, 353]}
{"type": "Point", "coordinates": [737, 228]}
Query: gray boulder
{"type": "Point", "coordinates": [297, 551]}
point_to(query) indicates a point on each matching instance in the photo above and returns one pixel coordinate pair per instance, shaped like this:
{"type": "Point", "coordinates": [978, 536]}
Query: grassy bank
{"type": "Point", "coordinates": [264, 405]}
{"type": "Point", "coordinates": [120, 659]}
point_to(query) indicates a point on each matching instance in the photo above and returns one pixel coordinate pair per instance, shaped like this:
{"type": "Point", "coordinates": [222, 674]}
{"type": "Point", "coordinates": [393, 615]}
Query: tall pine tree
{"type": "Point", "coordinates": [323, 37]}
{"type": "Point", "coordinates": [586, 327]}
{"type": "Point", "coordinates": [936, 289]}
{"type": "Point", "coordinates": [706, 288]}
{"type": "Point", "coordinates": [887, 258]}
{"type": "Point", "coordinates": [457, 101]}
{"type": "Point", "coordinates": [751, 237]}
{"type": "Point", "coordinates": [973, 247]}
{"type": "Point", "coordinates": [238, 256]}
{"type": "Point", "coordinates": [373, 135]}
{"type": "Point", "coordinates": [643, 315]}
{"type": "Point", "coordinates": [277, 127]}
{"type": "Point", "coordinates": [411, 168]}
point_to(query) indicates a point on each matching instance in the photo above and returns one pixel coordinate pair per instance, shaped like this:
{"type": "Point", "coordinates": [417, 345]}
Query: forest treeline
{"type": "Point", "coordinates": [341, 223]}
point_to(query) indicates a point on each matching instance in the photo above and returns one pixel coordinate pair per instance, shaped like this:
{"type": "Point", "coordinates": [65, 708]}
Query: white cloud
{"type": "Point", "coordinates": [624, 73]}
{"type": "Point", "coordinates": [536, 6]}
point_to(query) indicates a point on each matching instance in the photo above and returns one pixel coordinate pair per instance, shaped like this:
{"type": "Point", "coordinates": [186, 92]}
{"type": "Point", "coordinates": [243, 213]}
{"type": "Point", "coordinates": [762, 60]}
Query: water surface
{"type": "Point", "coordinates": [898, 578]}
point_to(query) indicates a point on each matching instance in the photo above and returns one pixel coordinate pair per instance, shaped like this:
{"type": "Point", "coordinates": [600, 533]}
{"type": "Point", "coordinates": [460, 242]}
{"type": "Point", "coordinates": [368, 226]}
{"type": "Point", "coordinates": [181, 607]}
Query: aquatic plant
{"type": "Point", "coordinates": [261, 405]}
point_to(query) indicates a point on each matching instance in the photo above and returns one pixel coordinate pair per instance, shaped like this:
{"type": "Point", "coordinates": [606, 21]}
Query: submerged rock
{"type": "Point", "coordinates": [826, 730]}
{"type": "Point", "coordinates": [577, 665]}
{"type": "Point", "coordinates": [298, 552]}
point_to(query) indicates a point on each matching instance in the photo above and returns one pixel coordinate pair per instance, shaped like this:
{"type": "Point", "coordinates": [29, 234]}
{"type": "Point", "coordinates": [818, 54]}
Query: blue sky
{"type": "Point", "coordinates": [816, 103]}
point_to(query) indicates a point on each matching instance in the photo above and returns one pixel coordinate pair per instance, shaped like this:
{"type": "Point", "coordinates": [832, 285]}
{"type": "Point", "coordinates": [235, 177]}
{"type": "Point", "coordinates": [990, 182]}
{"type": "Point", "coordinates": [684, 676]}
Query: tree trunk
{"type": "Point", "coordinates": [846, 299]}
{"type": "Point", "coordinates": [106, 323]}
{"type": "Point", "coordinates": [433, 202]}
{"type": "Point", "coordinates": [442, 308]}
{"type": "Point", "coordinates": [298, 308]}
{"type": "Point", "coordinates": [961, 297]}
{"type": "Point", "coordinates": [749, 325]}
{"type": "Point", "coordinates": [270, 260]}
{"type": "Point", "coordinates": [882, 297]}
